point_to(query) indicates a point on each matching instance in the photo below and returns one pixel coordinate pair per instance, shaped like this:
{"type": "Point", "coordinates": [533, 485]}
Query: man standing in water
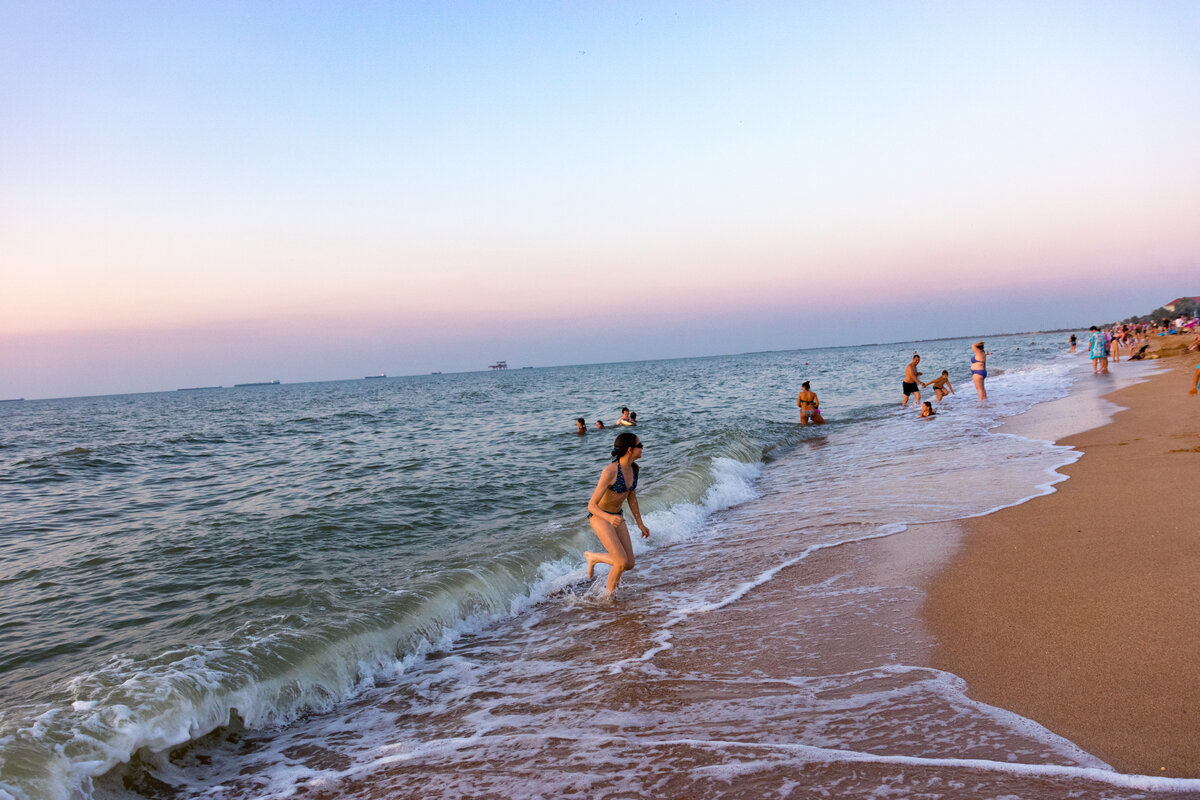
{"type": "Point", "coordinates": [912, 380]}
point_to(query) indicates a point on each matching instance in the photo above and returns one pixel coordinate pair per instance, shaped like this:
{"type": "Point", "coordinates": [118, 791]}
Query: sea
{"type": "Point", "coordinates": [376, 588]}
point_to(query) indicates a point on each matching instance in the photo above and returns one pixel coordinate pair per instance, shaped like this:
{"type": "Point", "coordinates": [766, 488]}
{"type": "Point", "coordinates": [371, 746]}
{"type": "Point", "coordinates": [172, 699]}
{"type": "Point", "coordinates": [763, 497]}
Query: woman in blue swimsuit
{"type": "Point", "coordinates": [618, 483]}
{"type": "Point", "coordinates": [979, 368]}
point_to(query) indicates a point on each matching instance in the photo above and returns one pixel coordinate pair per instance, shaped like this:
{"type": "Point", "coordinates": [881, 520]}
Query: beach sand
{"type": "Point", "coordinates": [1081, 609]}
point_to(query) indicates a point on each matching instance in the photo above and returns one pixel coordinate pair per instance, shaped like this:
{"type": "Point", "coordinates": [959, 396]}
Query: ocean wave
{"type": "Point", "coordinates": [54, 751]}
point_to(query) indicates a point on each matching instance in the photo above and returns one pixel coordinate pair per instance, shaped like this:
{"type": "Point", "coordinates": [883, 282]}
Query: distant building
{"type": "Point", "coordinates": [1182, 302]}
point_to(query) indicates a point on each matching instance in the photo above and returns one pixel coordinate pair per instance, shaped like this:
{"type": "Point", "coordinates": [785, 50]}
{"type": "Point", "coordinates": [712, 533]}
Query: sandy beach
{"type": "Point", "coordinates": [1081, 609]}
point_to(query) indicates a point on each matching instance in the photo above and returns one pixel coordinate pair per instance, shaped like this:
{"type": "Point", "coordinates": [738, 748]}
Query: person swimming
{"type": "Point", "coordinates": [617, 485]}
{"type": "Point", "coordinates": [580, 426]}
{"type": "Point", "coordinates": [625, 419]}
{"type": "Point", "coordinates": [599, 424]}
{"type": "Point", "coordinates": [927, 409]}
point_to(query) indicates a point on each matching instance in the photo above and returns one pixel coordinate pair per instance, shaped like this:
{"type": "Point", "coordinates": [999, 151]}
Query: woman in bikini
{"type": "Point", "coordinates": [810, 407]}
{"type": "Point", "coordinates": [979, 368]}
{"type": "Point", "coordinates": [618, 483]}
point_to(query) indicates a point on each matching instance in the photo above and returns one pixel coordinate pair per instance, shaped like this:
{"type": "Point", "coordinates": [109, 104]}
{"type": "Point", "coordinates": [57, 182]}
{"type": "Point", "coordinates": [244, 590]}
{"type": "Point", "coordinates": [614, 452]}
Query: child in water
{"type": "Point", "coordinates": [941, 385]}
{"type": "Point", "coordinates": [927, 409]}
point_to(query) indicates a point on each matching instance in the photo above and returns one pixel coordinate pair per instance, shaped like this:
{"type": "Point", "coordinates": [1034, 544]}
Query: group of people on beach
{"type": "Point", "coordinates": [1106, 343]}
{"type": "Point", "coordinates": [810, 409]}
{"type": "Point", "coordinates": [617, 485]}
{"type": "Point", "coordinates": [912, 383]}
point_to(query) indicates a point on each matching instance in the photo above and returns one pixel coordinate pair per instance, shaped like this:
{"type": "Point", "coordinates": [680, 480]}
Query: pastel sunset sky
{"type": "Point", "coordinates": [202, 193]}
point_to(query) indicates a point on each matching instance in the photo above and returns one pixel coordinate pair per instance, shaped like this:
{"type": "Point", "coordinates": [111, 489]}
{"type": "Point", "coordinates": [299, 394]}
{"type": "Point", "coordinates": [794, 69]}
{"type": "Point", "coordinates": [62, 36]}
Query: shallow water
{"type": "Point", "coordinates": [375, 588]}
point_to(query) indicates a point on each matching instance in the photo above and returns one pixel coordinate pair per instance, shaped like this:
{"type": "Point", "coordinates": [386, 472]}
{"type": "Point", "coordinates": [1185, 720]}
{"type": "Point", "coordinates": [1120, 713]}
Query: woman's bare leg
{"type": "Point", "coordinates": [979, 386]}
{"type": "Point", "coordinates": [620, 550]}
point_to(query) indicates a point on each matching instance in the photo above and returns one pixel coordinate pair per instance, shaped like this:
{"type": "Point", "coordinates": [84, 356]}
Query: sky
{"type": "Point", "coordinates": [204, 193]}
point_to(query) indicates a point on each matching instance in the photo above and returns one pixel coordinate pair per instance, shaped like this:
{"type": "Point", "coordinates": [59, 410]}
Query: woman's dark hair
{"type": "Point", "coordinates": [623, 443]}
{"type": "Point", "coordinates": [804, 385]}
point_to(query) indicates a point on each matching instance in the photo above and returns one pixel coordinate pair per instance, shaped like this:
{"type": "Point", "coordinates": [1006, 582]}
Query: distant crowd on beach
{"type": "Point", "coordinates": [1105, 344]}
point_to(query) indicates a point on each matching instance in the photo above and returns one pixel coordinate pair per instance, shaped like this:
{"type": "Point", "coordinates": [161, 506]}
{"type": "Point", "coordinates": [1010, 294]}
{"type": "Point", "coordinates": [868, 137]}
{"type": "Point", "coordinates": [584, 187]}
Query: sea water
{"type": "Point", "coordinates": [376, 588]}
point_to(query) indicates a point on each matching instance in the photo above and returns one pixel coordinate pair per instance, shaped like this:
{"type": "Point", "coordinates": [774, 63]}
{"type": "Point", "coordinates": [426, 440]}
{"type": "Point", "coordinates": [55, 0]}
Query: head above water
{"type": "Point", "coordinates": [624, 443]}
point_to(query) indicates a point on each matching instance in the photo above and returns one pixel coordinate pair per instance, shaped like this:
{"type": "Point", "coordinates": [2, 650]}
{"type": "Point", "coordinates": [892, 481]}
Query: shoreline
{"type": "Point", "coordinates": [1080, 609]}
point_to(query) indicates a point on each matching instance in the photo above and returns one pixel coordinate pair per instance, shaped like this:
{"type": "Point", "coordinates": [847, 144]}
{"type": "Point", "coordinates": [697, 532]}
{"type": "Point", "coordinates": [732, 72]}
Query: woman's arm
{"type": "Point", "coordinates": [637, 514]}
{"type": "Point", "coordinates": [607, 476]}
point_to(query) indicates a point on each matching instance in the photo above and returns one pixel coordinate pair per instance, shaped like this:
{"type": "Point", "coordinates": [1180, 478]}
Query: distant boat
{"type": "Point", "coordinates": [258, 383]}
{"type": "Point", "coordinates": [436, 373]}
{"type": "Point", "coordinates": [374, 377]}
{"type": "Point", "coordinates": [197, 388]}
{"type": "Point", "coordinates": [498, 365]}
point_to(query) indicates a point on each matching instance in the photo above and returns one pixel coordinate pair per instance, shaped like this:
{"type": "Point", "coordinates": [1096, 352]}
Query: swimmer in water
{"type": "Point", "coordinates": [599, 424]}
{"type": "Point", "coordinates": [810, 407]}
{"type": "Point", "coordinates": [625, 419]}
{"type": "Point", "coordinates": [618, 484]}
{"type": "Point", "coordinates": [927, 409]}
{"type": "Point", "coordinates": [580, 426]}
{"type": "Point", "coordinates": [941, 385]}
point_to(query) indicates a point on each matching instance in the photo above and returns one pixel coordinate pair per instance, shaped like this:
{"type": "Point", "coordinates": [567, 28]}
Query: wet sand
{"type": "Point", "coordinates": [1081, 609]}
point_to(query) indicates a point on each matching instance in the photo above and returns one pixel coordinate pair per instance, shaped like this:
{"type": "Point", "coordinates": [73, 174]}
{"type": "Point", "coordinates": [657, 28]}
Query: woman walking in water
{"type": "Point", "coordinates": [979, 368]}
{"type": "Point", "coordinates": [618, 483]}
